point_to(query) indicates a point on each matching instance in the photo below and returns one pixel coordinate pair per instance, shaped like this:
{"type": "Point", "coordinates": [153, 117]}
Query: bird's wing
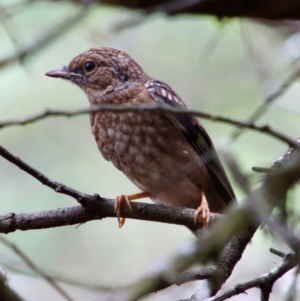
{"type": "Point", "coordinates": [195, 134]}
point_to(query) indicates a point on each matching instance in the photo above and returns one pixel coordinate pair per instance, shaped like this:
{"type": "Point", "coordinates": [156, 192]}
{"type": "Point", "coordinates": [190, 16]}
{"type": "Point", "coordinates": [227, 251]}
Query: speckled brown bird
{"type": "Point", "coordinates": [171, 159]}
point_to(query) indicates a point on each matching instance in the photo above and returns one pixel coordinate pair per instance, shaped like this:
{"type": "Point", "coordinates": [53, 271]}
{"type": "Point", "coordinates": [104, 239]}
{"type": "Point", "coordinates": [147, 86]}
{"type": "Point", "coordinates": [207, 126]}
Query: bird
{"type": "Point", "coordinates": [169, 157]}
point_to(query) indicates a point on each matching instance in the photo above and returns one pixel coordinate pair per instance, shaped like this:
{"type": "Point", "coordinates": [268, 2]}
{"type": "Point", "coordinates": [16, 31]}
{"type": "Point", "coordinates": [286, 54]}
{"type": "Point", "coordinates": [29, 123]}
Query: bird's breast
{"type": "Point", "coordinates": [152, 153]}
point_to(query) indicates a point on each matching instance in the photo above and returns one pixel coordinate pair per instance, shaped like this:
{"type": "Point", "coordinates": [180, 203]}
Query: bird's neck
{"type": "Point", "coordinates": [120, 94]}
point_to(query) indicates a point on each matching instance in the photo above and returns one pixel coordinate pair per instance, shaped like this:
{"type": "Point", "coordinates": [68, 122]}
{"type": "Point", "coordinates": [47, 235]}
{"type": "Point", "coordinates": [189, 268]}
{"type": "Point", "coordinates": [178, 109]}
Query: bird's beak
{"type": "Point", "coordinates": [63, 73]}
{"type": "Point", "coordinates": [59, 73]}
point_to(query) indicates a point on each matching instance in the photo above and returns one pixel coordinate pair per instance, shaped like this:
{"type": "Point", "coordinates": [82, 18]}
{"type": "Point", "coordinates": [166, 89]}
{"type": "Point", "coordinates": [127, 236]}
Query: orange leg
{"type": "Point", "coordinates": [127, 198]}
{"type": "Point", "coordinates": [204, 209]}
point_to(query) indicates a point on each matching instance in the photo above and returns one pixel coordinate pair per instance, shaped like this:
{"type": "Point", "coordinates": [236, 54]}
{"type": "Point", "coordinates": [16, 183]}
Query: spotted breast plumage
{"type": "Point", "coordinates": [170, 158]}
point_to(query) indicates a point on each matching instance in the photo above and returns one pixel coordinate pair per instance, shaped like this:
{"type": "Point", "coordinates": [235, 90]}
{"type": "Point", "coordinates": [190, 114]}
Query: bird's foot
{"type": "Point", "coordinates": [203, 209]}
{"type": "Point", "coordinates": [127, 198]}
{"type": "Point", "coordinates": [118, 202]}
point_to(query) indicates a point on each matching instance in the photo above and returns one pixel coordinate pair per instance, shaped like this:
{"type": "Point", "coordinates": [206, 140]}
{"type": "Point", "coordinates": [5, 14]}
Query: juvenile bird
{"type": "Point", "coordinates": [170, 158]}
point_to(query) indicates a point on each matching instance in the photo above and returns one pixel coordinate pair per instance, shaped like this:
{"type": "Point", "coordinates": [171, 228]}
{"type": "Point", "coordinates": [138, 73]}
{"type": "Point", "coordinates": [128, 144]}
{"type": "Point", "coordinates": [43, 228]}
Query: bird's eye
{"type": "Point", "coordinates": [89, 66]}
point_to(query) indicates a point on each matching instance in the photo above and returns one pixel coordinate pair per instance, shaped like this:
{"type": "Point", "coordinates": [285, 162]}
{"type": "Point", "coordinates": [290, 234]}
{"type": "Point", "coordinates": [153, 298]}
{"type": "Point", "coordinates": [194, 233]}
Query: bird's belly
{"type": "Point", "coordinates": [153, 155]}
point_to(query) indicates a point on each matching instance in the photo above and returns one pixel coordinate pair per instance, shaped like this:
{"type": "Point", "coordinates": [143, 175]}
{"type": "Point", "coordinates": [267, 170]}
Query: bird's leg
{"type": "Point", "coordinates": [204, 209]}
{"type": "Point", "coordinates": [127, 198]}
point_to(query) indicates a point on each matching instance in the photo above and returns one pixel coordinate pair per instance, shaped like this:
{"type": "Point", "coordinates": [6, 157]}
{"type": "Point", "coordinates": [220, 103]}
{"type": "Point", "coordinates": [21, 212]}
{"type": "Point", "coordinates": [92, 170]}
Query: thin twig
{"type": "Point", "coordinates": [277, 252]}
{"type": "Point", "coordinates": [149, 108]}
{"type": "Point", "coordinates": [209, 247]}
{"type": "Point", "coordinates": [47, 36]}
{"type": "Point", "coordinates": [261, 169]}
{"type": "Point", "coordinates": [234, 232]}
{"type": "Point", "coordinates": [36, 269]}
{"type": "Point", "coordinates": [206, 249]}
{"type": "Point", "coordinates": [58, 278]}
{"type": "Point", "coordinates": [260, 110]}
{"type": "Point", "coordinates": [263, 282]}
{"type": "Point", "coordinates": [58, 187]}
{"type": "Point", "coordinates": [10, 28]}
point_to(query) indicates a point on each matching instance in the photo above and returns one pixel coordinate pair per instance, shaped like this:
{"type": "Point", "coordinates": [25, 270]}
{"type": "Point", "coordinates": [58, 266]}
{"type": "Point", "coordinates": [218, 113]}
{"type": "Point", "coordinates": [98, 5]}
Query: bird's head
{"type": "Point", "coordinates": [100, 71]}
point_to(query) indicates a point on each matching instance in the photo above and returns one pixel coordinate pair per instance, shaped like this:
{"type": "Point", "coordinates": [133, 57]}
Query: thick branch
{"type": "Point", "coordinates": [246, 217]}
{"type": "Point", "coordinates": [95, 209]}
{"type": "Point", "coordinates": [262, 9]}
{"type": "Point", "coordinates": [206, 249]}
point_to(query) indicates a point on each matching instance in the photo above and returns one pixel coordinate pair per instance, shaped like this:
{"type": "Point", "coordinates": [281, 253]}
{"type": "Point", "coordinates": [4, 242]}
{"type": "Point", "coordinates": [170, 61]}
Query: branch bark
{"type": "Point", "coordinates": [264, 282]}
{"type": "Point", "coordinates": [265, 9]}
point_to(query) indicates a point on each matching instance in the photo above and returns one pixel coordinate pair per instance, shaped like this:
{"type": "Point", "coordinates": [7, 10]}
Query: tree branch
{"type": "Point", "coordinates": [260, 110]}
{"type": "Point", "coordinates": [36, 269]}
{"type": "Point", "coordinates": [209, 246]}
{"type": "Point", "coordinates": [95, 209]}
{"type": "Point", "coordinates": [266, 129]}
{"type": "Point", "coordinates": [227, 232]}
{"type": "Point", "coordinates": [264, 282]}
{"type": "Point", "coordinates": [263, 9]}
{"type": "Point", "coordinates": [47, 36]}
{"type": "Point", "coordinates": [254, 210]}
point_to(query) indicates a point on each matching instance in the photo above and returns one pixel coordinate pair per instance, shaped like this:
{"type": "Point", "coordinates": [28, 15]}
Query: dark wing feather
{"type": "Point", "coordinates": [196, 135]}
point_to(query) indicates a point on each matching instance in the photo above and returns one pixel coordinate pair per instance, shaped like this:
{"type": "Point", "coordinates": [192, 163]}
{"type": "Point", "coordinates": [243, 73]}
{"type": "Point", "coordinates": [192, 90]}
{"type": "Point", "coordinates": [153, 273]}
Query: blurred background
{"type": "Point", "coordinates": [227, 68]}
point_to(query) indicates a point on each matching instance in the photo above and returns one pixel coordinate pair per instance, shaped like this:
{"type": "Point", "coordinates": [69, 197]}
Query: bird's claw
{"type": "Point", "coordinates": [204, 210]}
{"type": "Point", "coordinates": [118, 202]}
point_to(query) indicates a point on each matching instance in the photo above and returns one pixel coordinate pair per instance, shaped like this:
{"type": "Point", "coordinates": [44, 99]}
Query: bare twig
{"type": "Point", "coordinates": [282, 160]}
{"type": "Point", "coordinates": [207, 245]}
{"type": "Point", "coordinates": [47, 36]}
{"type": "Point", "coordinates": [259, 111]}
{"type": "Point", "coordinates": [58, 187]}
{"type": "Point", "coordinates": [278, 253]}
{"type": "Point", "coordinates": [261, 169]}
{"type": "Point", "coordinates": [10, 27]}
{"type": "Point", "coordinates": [58, 278]}
{"type": "Point", "coordinates": [288, 155]}
{"type": "Point", "coordinates": [273, 188]}
{"type": "Point", "coordinates": [149, 108]}
{"type": "Point", "coordinates": [207, 248]}
{"type": "Point", "coordinates": [34, 268]}
{"type": "Point", "coordinates": [255, 209]}
{"type": "Point", "coordinates": [264, 282]}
